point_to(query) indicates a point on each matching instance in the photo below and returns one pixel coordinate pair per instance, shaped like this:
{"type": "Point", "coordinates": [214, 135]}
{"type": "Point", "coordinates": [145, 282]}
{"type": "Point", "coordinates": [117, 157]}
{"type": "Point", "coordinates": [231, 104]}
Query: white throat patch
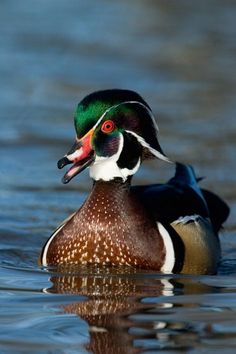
{"type": "Point", "coordinates": [106, 168]}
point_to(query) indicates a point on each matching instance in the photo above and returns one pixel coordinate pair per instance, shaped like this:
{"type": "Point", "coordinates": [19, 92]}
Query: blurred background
{"type": "Point", "coordinates": [180, 56]}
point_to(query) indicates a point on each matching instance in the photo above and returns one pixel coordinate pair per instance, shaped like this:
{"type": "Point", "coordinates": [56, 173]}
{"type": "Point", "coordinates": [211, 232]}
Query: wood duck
{"type": "Point", "coordinates": [170, 227]}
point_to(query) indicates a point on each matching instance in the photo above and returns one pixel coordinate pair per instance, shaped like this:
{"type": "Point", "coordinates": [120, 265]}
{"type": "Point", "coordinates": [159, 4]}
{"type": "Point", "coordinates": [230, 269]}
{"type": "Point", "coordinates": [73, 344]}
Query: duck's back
{"type": "Point", "coordinates": [192, 216]}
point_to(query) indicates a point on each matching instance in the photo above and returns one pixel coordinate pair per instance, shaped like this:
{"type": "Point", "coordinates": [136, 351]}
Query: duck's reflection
{"type": "Point", "coordinates": [119, 305]}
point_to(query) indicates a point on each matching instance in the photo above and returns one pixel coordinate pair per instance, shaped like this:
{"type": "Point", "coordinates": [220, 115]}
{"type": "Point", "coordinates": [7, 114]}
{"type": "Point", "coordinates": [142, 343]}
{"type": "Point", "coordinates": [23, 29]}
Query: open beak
{"type": "Point", "coordinates": [81, 155]}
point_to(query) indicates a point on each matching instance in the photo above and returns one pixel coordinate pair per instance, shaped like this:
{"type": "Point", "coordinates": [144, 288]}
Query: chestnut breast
{"type": "Point", "coordinates": [111, 227]}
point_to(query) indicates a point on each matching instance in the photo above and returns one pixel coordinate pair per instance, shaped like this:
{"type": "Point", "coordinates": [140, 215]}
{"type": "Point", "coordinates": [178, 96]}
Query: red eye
{"type": "Point", "coordinates": [108, 126]}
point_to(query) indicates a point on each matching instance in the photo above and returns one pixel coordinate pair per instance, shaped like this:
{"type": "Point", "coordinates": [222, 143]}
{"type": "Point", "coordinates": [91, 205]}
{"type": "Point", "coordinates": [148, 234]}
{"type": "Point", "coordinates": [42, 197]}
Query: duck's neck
{"type": "Point", "coordinates": [115, 184]}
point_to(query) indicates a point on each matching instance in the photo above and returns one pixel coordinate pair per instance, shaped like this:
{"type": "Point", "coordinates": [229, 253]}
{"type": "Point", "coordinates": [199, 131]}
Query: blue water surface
{"type": "Point", "coordinates": [181, 58]}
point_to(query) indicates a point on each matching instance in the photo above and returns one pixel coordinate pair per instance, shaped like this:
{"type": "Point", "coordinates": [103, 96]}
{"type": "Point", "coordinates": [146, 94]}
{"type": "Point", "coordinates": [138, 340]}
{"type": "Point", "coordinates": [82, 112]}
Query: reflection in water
{"type": "Point", "coordinates": [127, 311]}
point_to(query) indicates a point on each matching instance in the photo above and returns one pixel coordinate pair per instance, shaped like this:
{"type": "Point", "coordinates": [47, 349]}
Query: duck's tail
{"type": "Point", "coordinates": [185, 176]}
{"type": "Point", "coordinates": [218, 210]}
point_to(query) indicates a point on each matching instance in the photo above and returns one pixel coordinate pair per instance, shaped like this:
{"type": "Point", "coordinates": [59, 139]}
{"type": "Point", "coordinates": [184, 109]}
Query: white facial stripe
{"type": "Point", "coordinates": [125, 102]}
{"type": "Point", "coordinates": [106, 168]}
{"type": "Point", "coordinates": [156, 153]}
{"type": "Point", "coordinates": [139, 138]}
{"type": "Point", "coordinates": [170, 253]}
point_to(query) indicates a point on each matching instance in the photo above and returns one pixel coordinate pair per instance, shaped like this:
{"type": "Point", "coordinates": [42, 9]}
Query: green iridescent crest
{"type": "Point", "coordinates": [93, 106]}
{"type": "Point", "coordinates": [86, 116]}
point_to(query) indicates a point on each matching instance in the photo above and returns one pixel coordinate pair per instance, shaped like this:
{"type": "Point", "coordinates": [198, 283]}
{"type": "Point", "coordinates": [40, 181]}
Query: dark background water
{"type": "Point", "coordinates": [180, 56]}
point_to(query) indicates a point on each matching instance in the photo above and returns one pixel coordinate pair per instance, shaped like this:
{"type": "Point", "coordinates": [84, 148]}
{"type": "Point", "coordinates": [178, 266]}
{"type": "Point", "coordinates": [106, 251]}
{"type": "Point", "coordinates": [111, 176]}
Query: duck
{"type": "Point", "coordinates": [170, 228]}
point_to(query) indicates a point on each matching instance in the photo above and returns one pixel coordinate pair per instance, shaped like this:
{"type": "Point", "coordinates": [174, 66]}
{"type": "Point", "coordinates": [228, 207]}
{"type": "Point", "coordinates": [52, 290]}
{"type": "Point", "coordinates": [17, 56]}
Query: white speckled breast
{"type": "Point", "coordinates": [111, 227]}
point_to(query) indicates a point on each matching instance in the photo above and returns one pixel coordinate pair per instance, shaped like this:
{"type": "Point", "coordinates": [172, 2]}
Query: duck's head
{"type": "Point", "coordinates": [115, 131]}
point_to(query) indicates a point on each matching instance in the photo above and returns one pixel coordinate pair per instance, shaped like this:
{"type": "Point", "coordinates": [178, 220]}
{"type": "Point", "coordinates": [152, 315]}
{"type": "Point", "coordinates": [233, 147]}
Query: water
{"type": "Point", "coordinates": [181, 58]}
